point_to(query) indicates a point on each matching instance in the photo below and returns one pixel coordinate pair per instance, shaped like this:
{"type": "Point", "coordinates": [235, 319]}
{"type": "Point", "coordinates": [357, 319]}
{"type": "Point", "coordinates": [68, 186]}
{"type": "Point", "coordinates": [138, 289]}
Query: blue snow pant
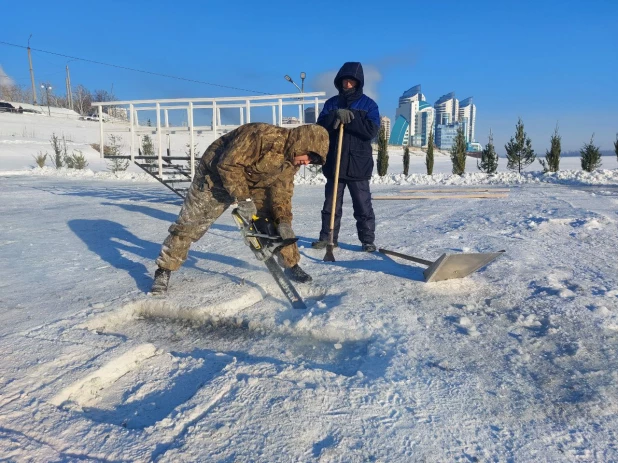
{"type": "Point", "coordinates": [361, 202]}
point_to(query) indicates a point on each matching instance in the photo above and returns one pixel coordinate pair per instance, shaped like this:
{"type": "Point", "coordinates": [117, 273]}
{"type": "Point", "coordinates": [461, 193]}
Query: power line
{"type": "Point", "coordinates": [134, 70]}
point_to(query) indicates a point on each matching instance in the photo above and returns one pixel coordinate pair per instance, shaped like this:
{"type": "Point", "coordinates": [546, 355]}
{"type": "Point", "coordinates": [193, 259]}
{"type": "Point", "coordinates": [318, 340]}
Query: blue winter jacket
{"type": "Point", "coordinates": [356, 157]}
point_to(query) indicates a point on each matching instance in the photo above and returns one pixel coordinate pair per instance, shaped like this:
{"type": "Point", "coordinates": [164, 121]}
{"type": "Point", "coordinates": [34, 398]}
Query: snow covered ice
{"type": "Point", "coordinates": [516, 362]}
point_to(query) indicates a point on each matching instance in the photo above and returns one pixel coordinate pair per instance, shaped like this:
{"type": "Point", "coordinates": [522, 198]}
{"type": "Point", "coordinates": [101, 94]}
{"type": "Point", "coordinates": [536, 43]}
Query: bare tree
{"type": "Point", "coordinates": [82, 100]}
{"type": "Point", "coordinates": [15, 93]}
{"type": "Point", "coordinates": [102, 96]}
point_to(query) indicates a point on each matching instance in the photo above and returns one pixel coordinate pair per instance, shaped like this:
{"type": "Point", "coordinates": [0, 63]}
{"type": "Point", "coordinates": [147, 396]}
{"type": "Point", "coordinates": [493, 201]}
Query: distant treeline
{"type": "Point", "coordinates": [576, 154]}
{"type": "Point", "coordinates": [80, 100]}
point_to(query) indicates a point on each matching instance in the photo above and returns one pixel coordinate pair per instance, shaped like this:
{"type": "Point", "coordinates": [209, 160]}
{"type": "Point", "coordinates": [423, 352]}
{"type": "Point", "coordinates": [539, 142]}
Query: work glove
{"type": "Point", "coordinates": [246, 209]}
{"type": "Point", "coordinates": [285, 231]}
{"type": "Point", "coordinates": [343, 116]}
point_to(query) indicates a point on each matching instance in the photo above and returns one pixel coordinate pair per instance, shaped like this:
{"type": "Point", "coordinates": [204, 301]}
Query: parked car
{"type": "Point", "coordinates": [7, 107]}
{"type": "Point", "coordinates": [92, 117]}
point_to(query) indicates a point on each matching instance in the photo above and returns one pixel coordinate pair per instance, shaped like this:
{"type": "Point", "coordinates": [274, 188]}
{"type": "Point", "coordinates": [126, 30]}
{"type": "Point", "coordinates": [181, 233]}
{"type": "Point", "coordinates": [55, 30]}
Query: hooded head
{"type": "Point", "coordinates": [353, 70]}
{"type": "Point", "coordinates": [310, 138]}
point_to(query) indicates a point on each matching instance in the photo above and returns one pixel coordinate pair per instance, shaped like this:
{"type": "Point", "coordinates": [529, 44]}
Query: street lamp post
{"type": "Point", "coordinates": [289, 79]}
{"type": "Point", "coordinates": [47, 89]}
{"type": "Point", "coordinates": [301, 89]}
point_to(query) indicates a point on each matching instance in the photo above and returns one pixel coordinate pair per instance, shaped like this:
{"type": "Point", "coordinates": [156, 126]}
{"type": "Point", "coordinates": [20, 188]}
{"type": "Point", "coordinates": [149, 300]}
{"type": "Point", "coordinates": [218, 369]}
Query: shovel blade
{"type": "Point", "coordinates": [449, 266]}
{"type": "Point", "coordinates": [329, 256]}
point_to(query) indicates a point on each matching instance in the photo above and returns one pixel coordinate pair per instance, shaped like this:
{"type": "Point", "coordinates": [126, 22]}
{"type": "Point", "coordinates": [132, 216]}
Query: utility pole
{"type": "Point", "coordinates": [47, 88]}
{"type": "Point", "coordinates": [31, 73]}
{"type": "Point", "coordinates": [69, 91]}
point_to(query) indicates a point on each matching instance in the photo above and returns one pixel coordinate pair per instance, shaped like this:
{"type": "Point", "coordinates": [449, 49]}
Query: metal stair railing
{"type": "Point", "coordinates": [175, 172]}
{"type": "Point", "coordinates": [174, 176]}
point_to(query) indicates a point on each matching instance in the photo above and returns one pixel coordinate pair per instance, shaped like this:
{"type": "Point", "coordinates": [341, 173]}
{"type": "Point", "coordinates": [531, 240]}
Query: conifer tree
{"type": "Point", "coordinates": [616, 146]}
{"type": "Point", "coordinates": [116, 164]}
{"type": "Point", "coordinates": [382, 153]}
{"type": "Point", "coordinates": [458, 153]}
{"type": "Point", "coordinates": [489, 158]}
{"type": "Point", "coordinates": [429, 155]}
{"type": "Point", "coordinates": [406, 160]}
{"type": "Point", "coordinates": [147, 146]}
{"type": "Point", "coordinates": [590, 156]}
{"type": "Point", "coordinates": [519, 152]}
{"type": "Point", "coordinates": [552, 157]}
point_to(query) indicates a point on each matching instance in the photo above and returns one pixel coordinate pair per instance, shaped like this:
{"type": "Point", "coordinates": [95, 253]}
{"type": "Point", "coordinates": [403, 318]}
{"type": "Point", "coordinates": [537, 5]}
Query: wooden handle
{"type": "Point", "coordinates": [337, 164]}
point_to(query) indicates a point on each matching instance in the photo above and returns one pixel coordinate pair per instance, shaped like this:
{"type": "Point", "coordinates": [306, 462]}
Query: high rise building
{"type": "Point", "coordinates": [414, 119]}
{"type": "Point", "coordinates": [467, 112]}
{"type": "Point", "coordinates": [400, 135]}
{"type": "Point", "coordinates": [447, 109]}
{"type": "Point", "coordinates": [424, 122]}
{"type": "Point", "coordinates": [446, 133]}
{"type": "Point", "coordinates": [310, 117]}
{"type": "Point", "coordinates": [409, 106]}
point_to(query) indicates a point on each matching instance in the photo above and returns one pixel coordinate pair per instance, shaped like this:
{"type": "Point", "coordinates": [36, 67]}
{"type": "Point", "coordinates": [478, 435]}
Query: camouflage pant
{"type": "Point", "coordinates": [206, 200]}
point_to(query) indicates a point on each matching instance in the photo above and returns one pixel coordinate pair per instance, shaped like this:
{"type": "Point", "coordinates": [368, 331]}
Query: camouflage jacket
{"type": "Point", "coordinates": [260, 156]}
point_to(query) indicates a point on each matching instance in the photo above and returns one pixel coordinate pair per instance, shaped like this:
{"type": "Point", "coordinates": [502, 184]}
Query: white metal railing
{"type": "Point", "coordinates": [189, 105]}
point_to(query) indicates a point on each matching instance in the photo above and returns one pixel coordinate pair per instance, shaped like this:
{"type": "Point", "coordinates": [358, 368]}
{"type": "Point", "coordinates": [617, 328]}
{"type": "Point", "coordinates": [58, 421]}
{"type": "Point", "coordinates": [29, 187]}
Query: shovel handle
{"type": "Point", "coordinates": [329, 256]}
{"type": "Point", "coordinates": [336, 188]}
{"type": "Point", "coordinates": [405, 256]}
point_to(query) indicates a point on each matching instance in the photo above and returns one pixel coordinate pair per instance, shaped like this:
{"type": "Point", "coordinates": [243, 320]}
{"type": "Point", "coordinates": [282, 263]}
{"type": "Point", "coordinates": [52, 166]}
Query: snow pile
{"type": "Point", "coordinates": [81, 173]}
{"type": "Point", "coordinates": [566, 177]}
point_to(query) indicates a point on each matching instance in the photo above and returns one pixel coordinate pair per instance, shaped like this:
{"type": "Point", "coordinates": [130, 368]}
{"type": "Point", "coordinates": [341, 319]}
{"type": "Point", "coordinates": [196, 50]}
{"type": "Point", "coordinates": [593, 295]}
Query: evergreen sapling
{"type": "Point", "coordinates": [429, 156]}
{"type": "Point", "coordinates": [60, 151]}
{"type": "Point", "coordinates": [552, 157]}
{"type": "Point", "coordinates": [147, 149]}
{"type": "Point", "coordinates": [519, 152]}
{"type": "Point", "coordinates": [590, 156]}
{"type": "Point", "coordinates": [489, 158]}
{"type": "Point", "coordinates": [458, 153]}
{"type": "Point", "coordinates": [406, 160]}
{"type": "Point", "coordinates": [116, 164]}
{"type": "Point", "coordinates": [382, 153]}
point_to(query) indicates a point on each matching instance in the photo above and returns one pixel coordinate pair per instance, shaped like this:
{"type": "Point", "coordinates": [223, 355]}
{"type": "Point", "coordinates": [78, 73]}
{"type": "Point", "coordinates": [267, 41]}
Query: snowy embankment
{"type": "Point", "coordinates": [567, 177]}
{"type": "Point", "coordinates": [24, 136]}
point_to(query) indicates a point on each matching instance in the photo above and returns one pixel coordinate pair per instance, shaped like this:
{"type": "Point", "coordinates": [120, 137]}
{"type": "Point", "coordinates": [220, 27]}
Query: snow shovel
{"type": "Point", "coordinates": [450, 266]}
{"type": "Point", "coordinates": [329, 256]}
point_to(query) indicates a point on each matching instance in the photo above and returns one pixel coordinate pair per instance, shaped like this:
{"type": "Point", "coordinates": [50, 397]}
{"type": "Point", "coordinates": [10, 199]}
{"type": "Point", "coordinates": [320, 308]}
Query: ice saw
{"type": "Point", "coordinates": [261, 236]}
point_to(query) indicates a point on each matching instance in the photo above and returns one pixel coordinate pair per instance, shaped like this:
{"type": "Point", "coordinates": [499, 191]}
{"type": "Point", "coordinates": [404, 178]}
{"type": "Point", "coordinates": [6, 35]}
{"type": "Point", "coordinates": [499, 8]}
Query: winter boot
{"type": "Point", "coordinates": [322, 244]}
{"type": "Point", "coordinates": [297, 274]}
{"type": "Point", "coordinates": [369, 247]}
{"type": "Point", "coordinates": [161, 280]}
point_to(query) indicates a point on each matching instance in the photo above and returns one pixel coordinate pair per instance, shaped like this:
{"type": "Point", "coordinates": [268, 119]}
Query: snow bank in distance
{"type": "Point", "coordinates": [81, 173]}
{"type": "Point", "coordinates": [568, 177]}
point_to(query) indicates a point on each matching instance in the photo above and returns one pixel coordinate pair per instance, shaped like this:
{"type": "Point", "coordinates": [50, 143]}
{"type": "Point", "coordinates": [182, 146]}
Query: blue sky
{"type": "Point", "coordinates": [545, 61]}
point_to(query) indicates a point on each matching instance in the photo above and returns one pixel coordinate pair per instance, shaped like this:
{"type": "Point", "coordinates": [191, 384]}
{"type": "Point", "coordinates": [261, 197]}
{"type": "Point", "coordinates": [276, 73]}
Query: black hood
{"type": "Point", "coordinates": [353, 70]}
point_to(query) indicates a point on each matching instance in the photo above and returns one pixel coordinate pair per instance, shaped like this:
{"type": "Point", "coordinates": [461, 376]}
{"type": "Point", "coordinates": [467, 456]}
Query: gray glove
{"type": "Point", "coordinates": [247, 209]}
{"type": "Point", "coordinates": [285, 231]}
{"type": "Point", "coordinates": [343, 116]}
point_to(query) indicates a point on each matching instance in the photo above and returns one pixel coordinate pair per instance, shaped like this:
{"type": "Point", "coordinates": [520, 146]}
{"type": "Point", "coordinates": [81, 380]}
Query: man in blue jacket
{"type": "Point", "coordinates": [361, 120]}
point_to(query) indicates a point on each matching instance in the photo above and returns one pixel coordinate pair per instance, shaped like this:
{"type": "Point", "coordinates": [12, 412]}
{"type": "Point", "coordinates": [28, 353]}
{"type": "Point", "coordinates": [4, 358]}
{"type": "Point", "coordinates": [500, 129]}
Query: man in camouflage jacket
{"type": "Point", "coordinates": [253, 166]}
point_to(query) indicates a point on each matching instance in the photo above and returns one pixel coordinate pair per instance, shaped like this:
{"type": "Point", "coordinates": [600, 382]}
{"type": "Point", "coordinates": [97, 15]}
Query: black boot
{"type": "Point", "coordinates": [161, 281]}
{"type": "Point", "coordinates": [369, 247]}
{"type": "Point", "coordinates": [322, 244]}
{"type": "Point", "coordinates": [297, 274]}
